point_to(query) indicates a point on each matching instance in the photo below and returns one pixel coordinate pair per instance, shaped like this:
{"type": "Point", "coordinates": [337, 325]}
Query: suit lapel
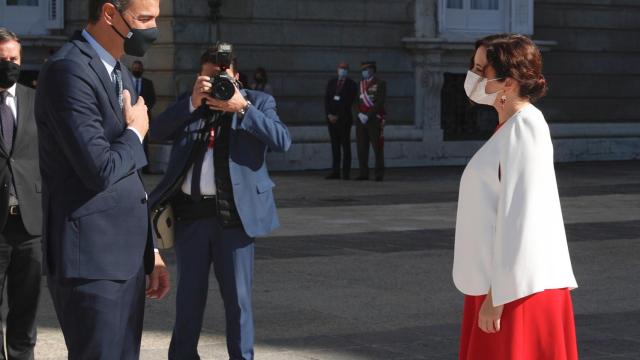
{"type": "Point", "coordinates": [98, 67]}
{"type": "Point", "coordinates": [25, 113]}
{"type": "Point", "coordinates": [3, 150]}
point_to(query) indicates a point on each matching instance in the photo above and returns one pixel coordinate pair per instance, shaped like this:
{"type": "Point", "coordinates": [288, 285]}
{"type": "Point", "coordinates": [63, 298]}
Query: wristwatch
{"type": "Point", "coordinates": [245, 109]}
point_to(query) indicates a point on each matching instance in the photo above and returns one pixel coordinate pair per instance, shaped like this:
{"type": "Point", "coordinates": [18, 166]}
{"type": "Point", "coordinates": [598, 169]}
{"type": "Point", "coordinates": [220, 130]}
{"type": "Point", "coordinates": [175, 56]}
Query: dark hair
{"type": "Point", "coordinates": [209, 55]}
{"type": "Point", "coordinates": [8, 35]}
{"type": "Point", "coordinates": [95, 8]}
{"type": "Point", "coordinates": [485, 41]}
{"type": "Point", "coordinates": [517, 57]}
{"type": "Point", "coordinates": [138, 62]}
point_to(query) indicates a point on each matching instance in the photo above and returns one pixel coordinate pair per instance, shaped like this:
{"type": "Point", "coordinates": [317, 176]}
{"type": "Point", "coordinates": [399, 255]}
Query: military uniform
{"type": "Point", "coordinates": [370, 123]}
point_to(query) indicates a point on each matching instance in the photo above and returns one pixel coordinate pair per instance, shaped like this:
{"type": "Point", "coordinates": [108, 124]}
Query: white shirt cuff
{"type": "Point", "coordinates": [137, 133]}
{"type": "Point", "coordinates": [191, 108]}
{"type": "Point", "coordinates": [156, 251]}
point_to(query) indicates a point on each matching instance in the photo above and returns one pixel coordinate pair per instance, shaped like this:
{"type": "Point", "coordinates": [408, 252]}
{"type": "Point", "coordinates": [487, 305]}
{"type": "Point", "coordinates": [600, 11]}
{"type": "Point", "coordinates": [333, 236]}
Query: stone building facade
{"type": "Point", "coordinates": [422, 48]}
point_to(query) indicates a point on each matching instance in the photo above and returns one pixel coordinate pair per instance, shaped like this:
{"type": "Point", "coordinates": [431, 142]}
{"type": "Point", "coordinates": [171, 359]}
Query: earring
{"type": "Point", "coordinates": [503, 100]}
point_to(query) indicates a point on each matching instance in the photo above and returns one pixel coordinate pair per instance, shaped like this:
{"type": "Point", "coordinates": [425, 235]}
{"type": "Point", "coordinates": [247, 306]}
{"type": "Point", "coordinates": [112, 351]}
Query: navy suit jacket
{"type": "Point", "coordinates": [251, 136]}
{"type": "Point", "coordinates": [94, 203]}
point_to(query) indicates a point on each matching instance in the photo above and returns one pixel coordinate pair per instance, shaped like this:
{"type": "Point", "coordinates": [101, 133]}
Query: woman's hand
{"type": "Point", "coordinates": [489, 316]}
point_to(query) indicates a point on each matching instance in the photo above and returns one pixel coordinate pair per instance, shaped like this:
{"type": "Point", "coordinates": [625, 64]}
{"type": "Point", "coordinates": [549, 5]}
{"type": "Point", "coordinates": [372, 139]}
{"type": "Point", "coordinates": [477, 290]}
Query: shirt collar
{"type": "Point", "coordinates": [107, 59]}
{"type": "Point", "coordinates": [12, 90]}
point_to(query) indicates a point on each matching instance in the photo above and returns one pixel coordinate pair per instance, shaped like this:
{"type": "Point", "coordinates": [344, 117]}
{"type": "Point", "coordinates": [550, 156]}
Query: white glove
{"type": "Point", "coordinates": [363, 118]}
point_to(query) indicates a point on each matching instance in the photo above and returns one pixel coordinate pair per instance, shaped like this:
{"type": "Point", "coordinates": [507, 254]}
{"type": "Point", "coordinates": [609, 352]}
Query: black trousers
{"type": "Point", "coordinates": [340, 134]}
{"type": "Point", "coordinates": [20, 274]}
{"type": "Point", "coordinates": [366, 136]}
{"type": "Point", "coordinates": [100, 319]}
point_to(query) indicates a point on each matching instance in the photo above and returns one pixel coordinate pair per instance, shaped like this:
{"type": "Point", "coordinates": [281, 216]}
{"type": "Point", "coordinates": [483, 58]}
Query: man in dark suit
{"type": "Point", "coordinates": [20, 204]}
{"type": "Point", "coordinates": [143, 86]}
{"type": "Point", "coordinates": [339, 97]}
{"type": "Point", "coordinates": [96, 240]}
{"type": "Point", "coordinates": [221, 193]}
{"type": "Point", "coordinates": [371, 120]}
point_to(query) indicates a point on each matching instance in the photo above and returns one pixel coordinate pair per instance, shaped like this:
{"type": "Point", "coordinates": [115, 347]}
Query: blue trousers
{"type": "Point", "coordinates": [199, 244]}
{"type": "Point", "coordinates": [100, 319]}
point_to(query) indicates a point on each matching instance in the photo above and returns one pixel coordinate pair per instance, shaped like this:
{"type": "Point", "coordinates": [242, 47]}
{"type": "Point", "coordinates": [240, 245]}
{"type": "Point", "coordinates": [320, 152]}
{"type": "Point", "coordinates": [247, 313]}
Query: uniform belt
{"type": "Point", "coordinates": [14, 210]}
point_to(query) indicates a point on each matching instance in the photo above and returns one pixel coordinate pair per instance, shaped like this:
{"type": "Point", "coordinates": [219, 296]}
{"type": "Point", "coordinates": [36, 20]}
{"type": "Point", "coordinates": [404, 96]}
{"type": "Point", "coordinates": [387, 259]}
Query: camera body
{"type": "Point", "coordinates": [223, 86]}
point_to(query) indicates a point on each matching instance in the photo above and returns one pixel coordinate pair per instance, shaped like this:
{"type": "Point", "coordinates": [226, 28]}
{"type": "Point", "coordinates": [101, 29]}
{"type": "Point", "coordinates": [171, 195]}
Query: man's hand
{"type": "Point", "coordinates": [158, 281]}
{"type": "Point", "coordinates": [332, 118]}
{"type": "Point", "coordinates": [201, 90]}
{"type": "Point", "coordinates": [136, 116]}
{"type": "Point", "coordinates": [489, 316]}
{"type": "Point", "coordinates": [233, 105]}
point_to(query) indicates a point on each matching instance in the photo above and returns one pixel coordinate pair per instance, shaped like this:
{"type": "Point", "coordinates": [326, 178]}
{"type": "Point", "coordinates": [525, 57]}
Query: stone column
{"type": "Point", "coordinates": [429, 82]}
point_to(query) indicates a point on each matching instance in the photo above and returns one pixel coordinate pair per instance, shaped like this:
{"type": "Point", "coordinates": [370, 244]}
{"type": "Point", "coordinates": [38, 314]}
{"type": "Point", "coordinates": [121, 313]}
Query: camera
{"type": "Point", "coordinates": [223, 85]}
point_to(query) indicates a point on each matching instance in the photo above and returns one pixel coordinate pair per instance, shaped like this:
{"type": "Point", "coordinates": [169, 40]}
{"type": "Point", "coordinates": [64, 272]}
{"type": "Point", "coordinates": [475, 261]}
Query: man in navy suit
{"type": "Point", "coordinates": [96, 241]}
{"type": "Point", "coordinates": [221, 193]}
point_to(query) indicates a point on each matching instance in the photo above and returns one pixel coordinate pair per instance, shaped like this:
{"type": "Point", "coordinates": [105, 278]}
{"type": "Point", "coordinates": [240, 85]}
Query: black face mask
{"type": "Point", "coordinates": [137, 73]}
{"type": "Point", "coordinates": [137, 41]}
{"type": "Point", "coordinates": [9, 74]}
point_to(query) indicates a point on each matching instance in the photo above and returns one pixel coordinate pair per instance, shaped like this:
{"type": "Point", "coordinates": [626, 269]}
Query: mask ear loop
{"type": "Point", "coordinates": [129, 34]}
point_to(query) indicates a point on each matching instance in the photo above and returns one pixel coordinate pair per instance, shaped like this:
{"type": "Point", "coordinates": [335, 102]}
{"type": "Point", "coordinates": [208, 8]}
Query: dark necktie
{"type": "Point", "coordinates": [208, 143]}
{"type": "Point", "coordinates": [8, 121]}
{"type": "Point", "coordinates": [117, 75]}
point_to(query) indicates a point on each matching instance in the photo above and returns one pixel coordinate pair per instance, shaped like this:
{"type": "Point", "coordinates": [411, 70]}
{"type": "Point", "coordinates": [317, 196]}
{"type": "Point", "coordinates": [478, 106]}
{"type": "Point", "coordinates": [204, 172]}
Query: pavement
{"type": "Point", "coordinates": [362, 270]}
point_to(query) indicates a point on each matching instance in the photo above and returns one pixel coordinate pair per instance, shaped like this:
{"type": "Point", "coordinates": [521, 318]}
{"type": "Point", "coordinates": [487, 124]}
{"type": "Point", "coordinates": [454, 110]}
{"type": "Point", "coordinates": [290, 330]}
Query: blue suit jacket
{"type": "Point", "coordinates": [260, 129]}
{"type": "Point", "coordinates": [94, 203]}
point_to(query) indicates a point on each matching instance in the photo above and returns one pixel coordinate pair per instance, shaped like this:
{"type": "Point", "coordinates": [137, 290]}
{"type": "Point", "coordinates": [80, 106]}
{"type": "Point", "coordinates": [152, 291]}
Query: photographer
{"type": "Point", "coordinates": [221, 194]}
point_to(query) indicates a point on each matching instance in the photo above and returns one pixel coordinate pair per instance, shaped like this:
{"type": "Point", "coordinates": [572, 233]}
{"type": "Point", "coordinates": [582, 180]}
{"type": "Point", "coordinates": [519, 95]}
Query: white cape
{"type": "Point", "coordinates": [510, 235]}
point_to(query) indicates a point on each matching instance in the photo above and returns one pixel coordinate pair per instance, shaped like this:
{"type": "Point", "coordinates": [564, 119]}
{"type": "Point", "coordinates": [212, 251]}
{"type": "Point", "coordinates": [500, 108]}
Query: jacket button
{"type": "Point", "coordinates": [143, 201]}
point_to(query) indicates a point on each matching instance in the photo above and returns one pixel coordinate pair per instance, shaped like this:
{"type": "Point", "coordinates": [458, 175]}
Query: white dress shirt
{"type": "Point", "coordinates": [207, 175]}
{"type": "Point", "coordinates": [510, 234]}
{"type": "Point", "coordinates": [109, 63]}
{"type": "Point", "coordinates": [12, 102]}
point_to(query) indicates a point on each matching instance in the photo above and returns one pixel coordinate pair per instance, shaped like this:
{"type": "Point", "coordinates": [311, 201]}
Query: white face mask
{"type": "Point", "coordinates": [476, 88]}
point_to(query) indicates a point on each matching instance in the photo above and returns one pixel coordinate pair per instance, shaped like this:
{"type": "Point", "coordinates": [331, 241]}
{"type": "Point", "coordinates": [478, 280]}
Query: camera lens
{"type": "Point", "coordinates": [223, 87]}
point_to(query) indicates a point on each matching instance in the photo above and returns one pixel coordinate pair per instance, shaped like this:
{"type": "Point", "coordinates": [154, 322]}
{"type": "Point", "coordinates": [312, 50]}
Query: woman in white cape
{"type": "Point", "coordinates": [511, 258]}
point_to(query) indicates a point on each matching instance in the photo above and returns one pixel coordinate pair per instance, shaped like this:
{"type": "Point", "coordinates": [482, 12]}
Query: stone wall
{"type": "Point", "coordinates": [300, 43]}
{"type": "Point", "coordinates": [593, 71]}
{"type": "Point", "coordinates": [594, 80]}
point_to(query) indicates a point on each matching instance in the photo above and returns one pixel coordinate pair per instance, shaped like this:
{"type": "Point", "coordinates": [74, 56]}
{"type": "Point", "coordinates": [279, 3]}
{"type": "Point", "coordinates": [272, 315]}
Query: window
{"type": "Point", "coordinates": [22, 3]}
{"type": "Point", "coordinates": [460, 120]}
{"type": "Point", "coordinates": [486, 16]}
{"type": "Point", "coordinates": [32, 17]}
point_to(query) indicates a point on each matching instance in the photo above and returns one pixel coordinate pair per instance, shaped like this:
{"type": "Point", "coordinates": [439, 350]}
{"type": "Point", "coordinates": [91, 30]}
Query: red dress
{"type": "Point", "coordinates": [537, 327]}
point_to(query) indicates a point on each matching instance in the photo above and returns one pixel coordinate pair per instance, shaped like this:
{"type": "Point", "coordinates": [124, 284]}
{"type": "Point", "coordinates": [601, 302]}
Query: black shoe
{"type": "Point", "coordinates": [346, 177]}
{"type": "Point", "coordinates": [332, 176]}
{"type": "Point", "coordinates": [379, 178]}
{"type": "Point", "coordinates": [362, 177]}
